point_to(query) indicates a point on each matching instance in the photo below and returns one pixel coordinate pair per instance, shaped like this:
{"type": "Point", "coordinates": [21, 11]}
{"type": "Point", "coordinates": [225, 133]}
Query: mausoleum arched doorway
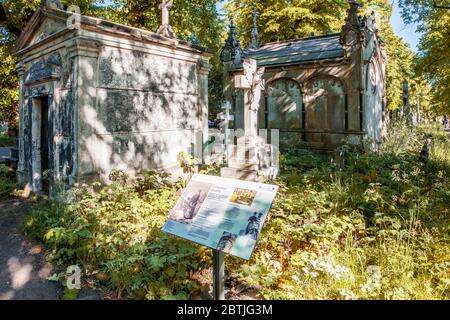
{"type": "Point", "coordinates": [284, 109]}
{"type": "Point", "coordinates": [326, 118]}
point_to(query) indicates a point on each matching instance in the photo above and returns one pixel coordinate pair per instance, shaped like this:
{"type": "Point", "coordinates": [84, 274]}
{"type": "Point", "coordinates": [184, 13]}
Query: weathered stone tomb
{"type": "Point", "coordinates": [97, 96]}
{"type": "Point", "coordinates": [320, 90]}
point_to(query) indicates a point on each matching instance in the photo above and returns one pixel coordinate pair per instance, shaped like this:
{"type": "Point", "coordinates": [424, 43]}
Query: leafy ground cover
{"type": "Point", "coordinates": [5, 140]}
{"type": "Point", "coordinates": [7, 185]}
{"type": "Point", "coordinates": [376, 228]}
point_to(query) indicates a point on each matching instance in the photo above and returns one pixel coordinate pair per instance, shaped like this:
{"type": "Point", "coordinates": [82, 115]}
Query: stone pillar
{"type": "Point", "coordinates": [203, 72]}
{"type": "Point", "coordinates": [228, 89]}
{"type": "Point", "coordinates": [22, 175]}
{"type": "Point", "coordinates": [36, 178]}
{"type": "Point", "coordinates": [85, 55]}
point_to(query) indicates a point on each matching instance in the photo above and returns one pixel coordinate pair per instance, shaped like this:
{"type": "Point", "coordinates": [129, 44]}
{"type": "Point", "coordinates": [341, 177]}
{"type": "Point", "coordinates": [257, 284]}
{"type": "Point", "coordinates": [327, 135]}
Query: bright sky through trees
{"type": "Point", "coordinates": [408, 33]}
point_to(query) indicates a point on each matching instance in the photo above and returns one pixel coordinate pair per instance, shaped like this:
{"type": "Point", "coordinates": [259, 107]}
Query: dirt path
{"type": "Point", "coordinates": [23, 267]}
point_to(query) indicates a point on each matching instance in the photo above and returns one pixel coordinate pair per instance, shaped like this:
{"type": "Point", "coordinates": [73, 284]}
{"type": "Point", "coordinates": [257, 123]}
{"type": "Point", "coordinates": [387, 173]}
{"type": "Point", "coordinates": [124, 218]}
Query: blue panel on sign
{"type": "Point", "coordinates": [221, 213]}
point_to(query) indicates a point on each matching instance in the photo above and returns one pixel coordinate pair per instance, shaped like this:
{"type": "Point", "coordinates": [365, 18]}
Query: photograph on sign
{"type": "Point", "coordinates": [243, 196]}
{"type": "Point", "coordinates": [188, 205]}
{"type": "Point", "coordinates": [221, 213]}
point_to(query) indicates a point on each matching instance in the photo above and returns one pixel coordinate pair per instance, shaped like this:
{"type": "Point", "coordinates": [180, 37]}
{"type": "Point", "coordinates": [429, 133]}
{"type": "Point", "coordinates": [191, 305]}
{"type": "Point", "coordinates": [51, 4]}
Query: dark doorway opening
{"type": "Point", "coordinates": [44, 145]}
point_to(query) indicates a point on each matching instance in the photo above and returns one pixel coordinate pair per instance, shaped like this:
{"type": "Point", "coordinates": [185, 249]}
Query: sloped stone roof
{"type": "Point", "coordinates": [297, 51]}
{"type": "Point", "coordinates": [99, 25]}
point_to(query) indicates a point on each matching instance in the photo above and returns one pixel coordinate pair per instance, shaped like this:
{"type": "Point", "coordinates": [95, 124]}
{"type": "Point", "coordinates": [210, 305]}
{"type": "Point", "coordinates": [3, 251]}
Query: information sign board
{"type": "Point", "coordinates": [221, 213]}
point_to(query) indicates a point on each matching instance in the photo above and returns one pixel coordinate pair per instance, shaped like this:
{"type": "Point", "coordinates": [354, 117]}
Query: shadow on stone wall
{"type": "Point", "coordinates": [139, 127]}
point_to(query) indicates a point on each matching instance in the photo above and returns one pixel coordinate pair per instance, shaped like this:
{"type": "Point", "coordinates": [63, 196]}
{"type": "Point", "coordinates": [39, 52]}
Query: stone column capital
{"type": "Point", "coordinates": [203, 66]}
{"type": "Point", "coordinates": [84, 48]}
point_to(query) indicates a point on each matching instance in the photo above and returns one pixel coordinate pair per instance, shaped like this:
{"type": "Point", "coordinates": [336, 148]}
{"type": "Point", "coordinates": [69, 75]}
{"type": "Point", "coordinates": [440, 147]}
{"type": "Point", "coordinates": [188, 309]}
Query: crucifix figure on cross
{"type": "Point", "coordinates": [251, 158]}
{"type": "Point", "coordinates": [165, 29]}
{"type": "Point", "coordinates": [253, 84]}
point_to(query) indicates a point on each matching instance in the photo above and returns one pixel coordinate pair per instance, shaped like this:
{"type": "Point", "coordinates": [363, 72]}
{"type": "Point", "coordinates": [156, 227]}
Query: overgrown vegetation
{"type": "Point", "coordinates": [5, 140]}
{"type": "Point", "coordinates": [376, 229]}
{"type": "Point", "coordinates": [7, 185]}
{"type": "Point", "coordinates": [113, 232]}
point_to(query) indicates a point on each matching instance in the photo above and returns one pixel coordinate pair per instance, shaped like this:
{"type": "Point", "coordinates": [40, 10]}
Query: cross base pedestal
{"type": "Point", "coordinates": [166, 31]}
{"type": "Point", "coordinates": [251, 159]}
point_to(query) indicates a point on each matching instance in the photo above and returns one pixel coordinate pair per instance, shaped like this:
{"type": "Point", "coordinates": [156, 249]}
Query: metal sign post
{"type": "Point", "coordinates": [192, 215]}
{"type": "Point", "coordinates": [218, 275]}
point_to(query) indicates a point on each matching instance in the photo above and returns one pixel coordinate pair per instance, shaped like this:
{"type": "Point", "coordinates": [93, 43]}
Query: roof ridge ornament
{"type": "Point", "coordinates": [351, 31]}
{"type": "Point", "coordinates": [254, 43]}
{"type": "Point", "coordinates": [353, 18]}
{"type": "Point", "coordinates": [54, 4]}
{"type": "Point", "coordinates": [232, 50]}
{"type": "Point", "coordinates": [165, 29]}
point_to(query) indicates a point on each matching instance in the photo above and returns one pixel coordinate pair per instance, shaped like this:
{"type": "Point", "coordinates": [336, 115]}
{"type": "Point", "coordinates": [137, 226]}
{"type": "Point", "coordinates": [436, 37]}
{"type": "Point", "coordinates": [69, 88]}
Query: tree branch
{"type": "Point", "coordinates": [440, 7]}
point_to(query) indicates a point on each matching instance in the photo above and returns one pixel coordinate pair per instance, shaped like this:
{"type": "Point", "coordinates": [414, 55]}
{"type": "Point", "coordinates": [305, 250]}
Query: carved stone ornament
{"type": "Point", "coordinates": [165, 29]}
{"type": "Point", "coordinates": [232, 50]}
{"type": "Point", "coordinates": [46, 69]}
{"type": "Point", "coordinates": [54, 4]}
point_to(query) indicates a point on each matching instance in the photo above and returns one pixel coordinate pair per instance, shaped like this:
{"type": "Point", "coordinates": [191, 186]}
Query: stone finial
{"type": "Point", "coordinates": [351, 30]}
{"type": "Point", "coordinates": [352, 18]}
{"type": "Point", "coordinates": [54, 4]}
{"type": "Point", "coordinates": [254, 43]}
{"type": "Point", "coordinates": [165, 29]}
{"type": "Point", "coordinates": [232, 50]}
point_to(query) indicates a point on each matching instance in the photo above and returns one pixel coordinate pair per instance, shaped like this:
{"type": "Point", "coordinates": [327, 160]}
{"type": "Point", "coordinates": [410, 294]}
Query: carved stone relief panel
{"type": "Point", "coordinates": [325, 104]}
{"type": "Point", "coordinates": [47, 28]}
{"type": "Point", "coordinates": [138, 70]}
{"type": "Point", "coordinates": [138, 111]}
{"type": "Point", "coordinates": [37, 91]}
{"type": "Point", "coordinates": [284, 104]}
{"type": "Point", "coordinates": [44, 69]}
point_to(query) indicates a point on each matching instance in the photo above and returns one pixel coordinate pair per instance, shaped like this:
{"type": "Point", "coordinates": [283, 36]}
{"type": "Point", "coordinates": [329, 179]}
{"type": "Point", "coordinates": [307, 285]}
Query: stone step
{"type": "Point", "coordinates": [249, 175]}
{"type": "Point", "coordinates": [243, 165]}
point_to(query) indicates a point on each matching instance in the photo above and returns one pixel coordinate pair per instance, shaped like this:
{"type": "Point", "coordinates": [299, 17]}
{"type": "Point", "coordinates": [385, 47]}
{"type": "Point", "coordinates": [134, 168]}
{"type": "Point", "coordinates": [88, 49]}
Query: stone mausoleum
{"type": "Point", "coordinates": [97, 96]}
{"type": "Point", "coordinates": [319, 90]}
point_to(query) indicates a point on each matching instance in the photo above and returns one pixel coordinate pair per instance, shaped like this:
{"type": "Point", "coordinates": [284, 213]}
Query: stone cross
{"type": "Point", "coordinates": [226, 117]}
{"type": "Point", "coordinates": [165, 6]}
{"type": "Point", "coordinates": [165, 29]}
{"type": "Point", "coordinates": [252, 83]}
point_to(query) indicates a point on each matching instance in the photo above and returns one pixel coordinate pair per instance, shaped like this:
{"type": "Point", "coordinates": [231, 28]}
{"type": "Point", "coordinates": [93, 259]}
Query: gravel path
{"type": "Point", "coordinates": [23, 267]}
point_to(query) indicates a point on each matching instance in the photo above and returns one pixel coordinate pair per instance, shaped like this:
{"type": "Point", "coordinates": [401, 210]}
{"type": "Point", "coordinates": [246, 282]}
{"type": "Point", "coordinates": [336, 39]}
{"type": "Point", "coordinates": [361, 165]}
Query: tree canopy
{"type": "Point", "coordinates": [193, 20]}
{"type": "Point", "coordinates": [283, 19]}
{"type": "Point", "coordinates": [433, 61]}
{"type": "Point", "coordinates": [198, 20]}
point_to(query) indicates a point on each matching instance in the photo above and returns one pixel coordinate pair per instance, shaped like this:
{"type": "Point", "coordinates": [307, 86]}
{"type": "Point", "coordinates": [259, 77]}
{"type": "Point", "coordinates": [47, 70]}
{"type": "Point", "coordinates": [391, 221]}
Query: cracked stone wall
{"type": "Point", "coordinates": [142, 113]}
{"type": "Point", "coordinates": [113, 103]}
